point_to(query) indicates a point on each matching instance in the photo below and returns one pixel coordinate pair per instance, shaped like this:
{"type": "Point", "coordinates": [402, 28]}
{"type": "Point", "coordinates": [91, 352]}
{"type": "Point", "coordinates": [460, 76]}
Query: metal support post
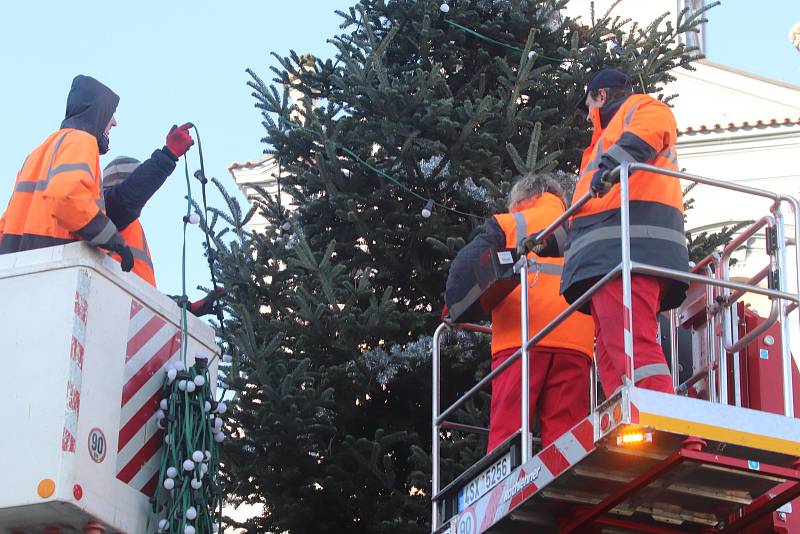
{"type": "Point", "coordinates": [525, 429]}
{"type": "Point", "coordinates": [435, 460]}
{"type": "Point", "coordinates": [721, 325]}
{"type": "Point", "coordinates": [627, 313]}
{"type": "Point", "coordinates": [673, 350]}
{"type": "Point", "coordinates": [593, 386]}
{"type": "Point", "coordinates": [786, 335]}
{"type": "Point", "coordinates": [712, 348]}
{"type": "Point", "coordinates": [737, 364]}
{"type": "Point", "coordinates": [795, 205]}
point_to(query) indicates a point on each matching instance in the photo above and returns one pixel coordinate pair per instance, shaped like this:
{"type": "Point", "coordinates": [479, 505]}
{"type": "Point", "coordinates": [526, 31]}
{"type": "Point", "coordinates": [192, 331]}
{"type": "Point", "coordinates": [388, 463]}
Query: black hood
{"type": "Point", "coordinates": [90, 106]}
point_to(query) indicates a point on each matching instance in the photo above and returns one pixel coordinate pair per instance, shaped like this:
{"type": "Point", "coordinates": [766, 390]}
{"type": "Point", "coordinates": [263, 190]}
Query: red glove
{"type": "Point", "coordinates": [179, 140]}
{"type": "Point", "coordinates": [205, 306]}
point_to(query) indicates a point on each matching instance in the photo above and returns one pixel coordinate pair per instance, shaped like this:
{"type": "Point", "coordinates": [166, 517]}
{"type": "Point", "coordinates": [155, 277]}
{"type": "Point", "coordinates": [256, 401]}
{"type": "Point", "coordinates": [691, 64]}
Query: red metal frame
{"type": "Point", "coordinates": [765, 504]}
{"type": "Point", "coordinates": [635, 527]}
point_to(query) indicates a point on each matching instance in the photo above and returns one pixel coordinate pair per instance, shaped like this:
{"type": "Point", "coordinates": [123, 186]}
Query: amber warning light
{"type": "Point", "coordinates": [634, 437]}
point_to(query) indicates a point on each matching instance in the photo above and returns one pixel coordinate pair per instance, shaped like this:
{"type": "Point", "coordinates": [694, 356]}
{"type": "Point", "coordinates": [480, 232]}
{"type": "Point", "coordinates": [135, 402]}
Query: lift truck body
{"type": "Point", "coordinates": [719, 456]}
{"type": "Point", "coordinates": [84, 348]}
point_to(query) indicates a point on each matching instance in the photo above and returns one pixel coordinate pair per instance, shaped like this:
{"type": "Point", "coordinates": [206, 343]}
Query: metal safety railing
{"type": "Point", "coordinates": [722, 295]}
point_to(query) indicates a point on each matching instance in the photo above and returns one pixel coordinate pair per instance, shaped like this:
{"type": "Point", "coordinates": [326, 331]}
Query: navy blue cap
{"type": "Point", "coordinates": [605, 78]}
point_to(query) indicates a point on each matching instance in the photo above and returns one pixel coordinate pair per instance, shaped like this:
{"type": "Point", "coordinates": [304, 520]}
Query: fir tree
{"type": "Point", "coordinates": [332, 307]}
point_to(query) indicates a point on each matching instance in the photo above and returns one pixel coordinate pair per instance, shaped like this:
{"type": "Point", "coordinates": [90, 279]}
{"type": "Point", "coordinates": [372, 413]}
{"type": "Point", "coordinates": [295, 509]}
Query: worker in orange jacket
{"type": "Point", "coordinates": [635, 128]}
{"type": "Point", "coordinates": [560, 362]}
{"type": "Point", "coordinates": [127, 186]}
{"type": "Point", "coordinates": [57, 197]}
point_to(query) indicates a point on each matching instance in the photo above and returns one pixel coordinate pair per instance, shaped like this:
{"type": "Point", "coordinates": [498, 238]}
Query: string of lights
{"type": "Point", "coordinates": [188, 498]}
{"type": "Point", "coordinates": [429, 203]}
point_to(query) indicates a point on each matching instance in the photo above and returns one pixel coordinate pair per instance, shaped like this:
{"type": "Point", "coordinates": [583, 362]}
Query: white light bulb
{"type": "Point", "coordinates": [199, 380]}
{"type": "Point", "coordinates": [196, 484]}
{"type": "Point", "coordinates": [194, 218]}
{"type": "Point", "coordinates": [167, 439]}
{"type": "Point", "coordinates": [531, 54]}
{"type": "Point", "coordinates": [222, 408]}
{"type": "Point", "coordinates": [191, 513]}
{"type": "Point", "coordinates": [227, 358]}
{"type": "Point", "coordinates": [172, 472]}
{"type": "Point", "coordinates": [218, 424]}
{"type": "Point", "coordinates": [206, 406]}
{"type": "Point", "coordinates": [197, 456]}
{"type": "Point", "coordinates": [444, 8]}
{"type": "Point", "coordinates": [219, 437]}
{"type": "Point", "coordinates": [182, 385]}
{"type": "Point", "coordinates": [179, 366]}
{"type": "Point", "coordinates": [163, 524]}
{"type": "Point", "coordinates": [190, 386]}
{"type": "Point", "coordinates": [203, 470]}
{"type": "Point", "coordinates": [171, 374]}
{"type": "Point", "coordinates": [207, 455]}
{"type": "Point", "coordinates": [169, 484]}
{"type": "Point", "coordinates": [286, 226]}
{"type": "Point", "coordinates": [188, 465]}
{"type": "Point", "coordinates": [189, 529]}
{"type": "Point", "coordinates": [163, 404]}
{"type": "Point", "coordinates": [160, 415]}
{"type": "Point", "coordinates": [428, 209]}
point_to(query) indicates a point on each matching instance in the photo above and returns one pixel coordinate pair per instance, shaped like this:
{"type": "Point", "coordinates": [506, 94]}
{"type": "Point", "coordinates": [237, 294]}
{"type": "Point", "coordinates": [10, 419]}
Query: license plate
{"type": "Point", "coordinates": [480, 485]}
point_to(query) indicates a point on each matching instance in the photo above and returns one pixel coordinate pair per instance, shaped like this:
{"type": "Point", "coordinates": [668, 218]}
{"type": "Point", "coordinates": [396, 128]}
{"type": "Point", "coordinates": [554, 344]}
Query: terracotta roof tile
{"type": "Point", "coordinates": [746, 125]}
{"type": "Point", "coordinates": [249, 164]}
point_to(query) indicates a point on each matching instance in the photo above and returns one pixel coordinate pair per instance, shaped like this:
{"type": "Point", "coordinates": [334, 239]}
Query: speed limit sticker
{"type": "Point", "coordinates": [97, 445]}
{"type": "Point", "coordinates": [467, 523]}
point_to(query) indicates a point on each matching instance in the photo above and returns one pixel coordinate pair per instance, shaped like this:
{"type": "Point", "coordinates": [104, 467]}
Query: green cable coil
{"type": "Point", "coordinates": [188, 499]}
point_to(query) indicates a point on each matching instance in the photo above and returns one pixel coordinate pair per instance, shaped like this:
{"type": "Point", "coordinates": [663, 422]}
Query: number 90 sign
{"type": "Point", "coordinates": [467, 523]}
{"type": "Point", "coordinates": [97, 445]}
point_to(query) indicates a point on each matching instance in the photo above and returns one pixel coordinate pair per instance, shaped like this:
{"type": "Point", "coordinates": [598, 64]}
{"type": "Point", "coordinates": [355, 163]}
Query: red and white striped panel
{"type": "Point", "coordinates": [152, 343]}
{"type": "Point", "coordinates": [76, 353]}
{"type": "Point", "coordinates": [528, 480]}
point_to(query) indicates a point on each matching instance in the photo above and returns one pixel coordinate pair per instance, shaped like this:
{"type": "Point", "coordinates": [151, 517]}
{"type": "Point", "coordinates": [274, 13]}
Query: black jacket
{"type": "Point", "coordinates": [461, 278]}
{"type": "Point", "coordinates": [124, 201]}
{"type": "Point", "coordinates": [90, 106]}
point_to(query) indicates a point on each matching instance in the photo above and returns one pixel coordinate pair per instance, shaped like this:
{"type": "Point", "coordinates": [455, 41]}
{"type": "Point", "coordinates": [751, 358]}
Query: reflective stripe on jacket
{"type": "Point", "coordinates": [545, 303]}
{"type": "Point", "coordinates": [57, 198]}
{"type": "Point", "coordinates": [643, 129]}
{"type": "Point", "coordinates": [134, 237]}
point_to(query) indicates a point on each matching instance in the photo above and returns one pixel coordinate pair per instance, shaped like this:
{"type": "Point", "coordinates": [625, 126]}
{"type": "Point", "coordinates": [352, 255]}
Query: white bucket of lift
{"type": "Point", "coordinates": [84, 347]}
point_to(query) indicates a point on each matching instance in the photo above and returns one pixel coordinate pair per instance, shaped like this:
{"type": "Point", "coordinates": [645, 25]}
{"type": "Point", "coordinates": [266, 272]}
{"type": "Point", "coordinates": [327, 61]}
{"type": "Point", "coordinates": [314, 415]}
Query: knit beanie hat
{"type": "Point", "coordinates": [118, 170]}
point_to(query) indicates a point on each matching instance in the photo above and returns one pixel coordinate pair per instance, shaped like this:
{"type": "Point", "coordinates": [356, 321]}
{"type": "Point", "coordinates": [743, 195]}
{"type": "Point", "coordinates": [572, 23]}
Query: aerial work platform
{"type": "Point", "coordinates": [721, 455]}
{"type": "Point", "coordinates": [85, 348]}
{"type": "Point", "coordinates": [648, 462]}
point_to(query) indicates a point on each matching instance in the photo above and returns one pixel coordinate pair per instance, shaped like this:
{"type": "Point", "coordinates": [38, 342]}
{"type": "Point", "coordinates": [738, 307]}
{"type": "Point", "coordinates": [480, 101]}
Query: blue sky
{"type": "Point", "coordinates": [179, 61]}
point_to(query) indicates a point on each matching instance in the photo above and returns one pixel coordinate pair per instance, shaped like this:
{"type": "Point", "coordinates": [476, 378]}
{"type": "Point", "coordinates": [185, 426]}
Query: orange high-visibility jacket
{"type": "Point", "coordinates": [545, 303]}
{"type": "Point", "coordinates": [642, 129]}
{"type": "Point", "coordinates": [134, 237]}
{"type": "Point", "coordinates": [57, 197]}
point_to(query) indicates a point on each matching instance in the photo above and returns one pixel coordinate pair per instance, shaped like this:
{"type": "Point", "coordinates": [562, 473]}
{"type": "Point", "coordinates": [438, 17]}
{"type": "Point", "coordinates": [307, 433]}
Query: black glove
{"type": "Point", "coordinates": [125, 254]}
{"type": "Point", "coordinates": [118, 246]}
{"type": "Point", "coordinates": [599, 184]}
